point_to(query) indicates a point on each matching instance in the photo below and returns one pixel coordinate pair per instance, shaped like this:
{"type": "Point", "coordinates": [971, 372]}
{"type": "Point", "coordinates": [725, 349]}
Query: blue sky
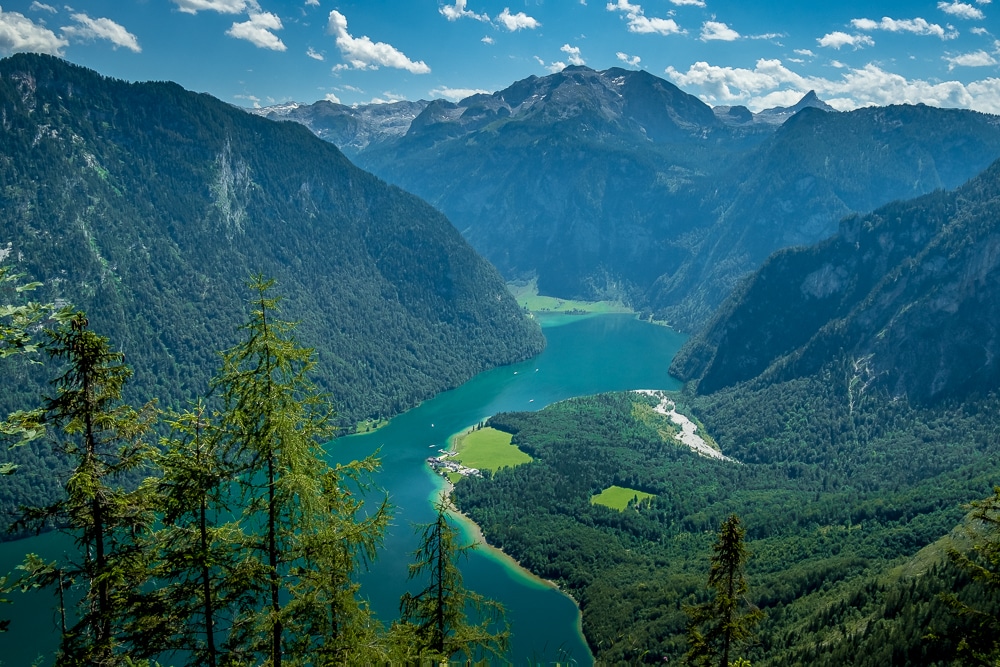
{"type": "Point", "coordinates": [761, 54]}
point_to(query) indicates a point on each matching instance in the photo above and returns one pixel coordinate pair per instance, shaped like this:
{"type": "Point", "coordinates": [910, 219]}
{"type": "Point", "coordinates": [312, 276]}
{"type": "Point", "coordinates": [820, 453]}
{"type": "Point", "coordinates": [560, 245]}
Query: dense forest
{"type": "Point", "coordinates": [148, 207]}
{"type": "Point", "coordinates": [833, 499]}
{"type": "Point", "coordinates": [230, 540]}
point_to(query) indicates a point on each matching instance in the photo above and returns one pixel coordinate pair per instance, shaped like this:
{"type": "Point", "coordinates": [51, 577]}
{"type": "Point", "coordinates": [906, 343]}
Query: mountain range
{"type": "Point", "coordinates": [149, 207]}
{"type": "Point", "coordinates": [617, 184]}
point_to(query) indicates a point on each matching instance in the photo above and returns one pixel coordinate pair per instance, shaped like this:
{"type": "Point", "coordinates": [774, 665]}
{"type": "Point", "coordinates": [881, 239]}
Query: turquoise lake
{"type": "Point", "coordinates": [585, 354]}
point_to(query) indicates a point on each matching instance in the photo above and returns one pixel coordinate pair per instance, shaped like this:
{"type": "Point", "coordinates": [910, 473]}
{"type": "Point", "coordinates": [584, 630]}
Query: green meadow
{"type": "Point", "coordinates": [488, 449]}
{"type": "Point", "coordinates": [527, 296]}
{"type": "Point", "coordinates": [618, 497]}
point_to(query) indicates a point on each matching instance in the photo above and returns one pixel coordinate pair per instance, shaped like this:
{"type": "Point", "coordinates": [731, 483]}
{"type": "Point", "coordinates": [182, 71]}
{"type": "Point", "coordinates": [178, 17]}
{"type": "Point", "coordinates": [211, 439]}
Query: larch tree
{"type": "Point", "coordinates": [201, 583]}
{"type": "Point", "coordinates": [434, 622]}
{"type": "Point", "coordinates": [105, 508]}
{"type": "Point", "coordinates": [726, 621]}
{"type": "Point", "coordinates": [302, 538]}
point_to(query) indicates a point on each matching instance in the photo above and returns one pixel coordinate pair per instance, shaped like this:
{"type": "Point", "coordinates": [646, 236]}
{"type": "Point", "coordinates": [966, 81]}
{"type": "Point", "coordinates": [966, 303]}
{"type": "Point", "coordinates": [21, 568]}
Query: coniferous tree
{"type": "Point", "coordinates": [980, 644]}
{"type": "Point", "coordinates": [274, 422]}
{"type": "Point", "coordinates": [197, 546]}
{"type": "Point", "coordinates": [105, 510]}
{"type": "Point", "coordinates": [434, 621]}
{"type": "Point", "coordinates": [716, 627]}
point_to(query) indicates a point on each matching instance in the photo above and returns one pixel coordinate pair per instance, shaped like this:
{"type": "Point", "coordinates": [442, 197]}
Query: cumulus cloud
{"type": "Point", "coordinates": [805, 52]}
{"type": "Point", "coordinates": [574, 54]}
{"type": "Point", "coordinates": [692, 3]}
{"type": "Point", "coordinates": [312, 3]}
{"type": "Point", "coordinates": [331, 97]}
{"type": "Point", "coordinates": [39, 7]}
{"type": "Point", "coordinates": [363, 53]}
{"type": "Point", "coordinates": [221, 6]}
{"type": "Point", "coordinates": [771, 84]}
{"type": "Point", "coordinates": [88, 29]}
{"type": "Point", "coordinates": [458, 10]}
{"type": "Point", "coordinates": [639, 23]}
{"type": "Point", "coordinates": [515, 22]}
{"type": "Point", "coordinates": [917, 26]}
{"type": "Point", "coordinates": [837, 39]}
{"type": "Point", "coordinates": [714, 30]}
{"type": "Point", "coordinates": [975, 59]}
{"type": "Point", "coordinates": [961, 10]}
{"type": "Point", "coordinates": [19, 33]}
{"type": "Point", "coordinates": [314, 54]}
{"type": "Point", "coordinates": [258, 31]}
{"type": "Point", "coordinates": [487, 40]}
{"type": "Point", "coordinates": [631, 61]}
{"type": "Point", "coordinates": [456, 94]}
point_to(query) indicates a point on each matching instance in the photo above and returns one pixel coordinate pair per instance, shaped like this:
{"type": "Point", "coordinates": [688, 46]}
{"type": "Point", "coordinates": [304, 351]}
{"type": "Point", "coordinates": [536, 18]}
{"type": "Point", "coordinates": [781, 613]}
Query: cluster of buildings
{"type": "Point", "coordinates": [444, 465]}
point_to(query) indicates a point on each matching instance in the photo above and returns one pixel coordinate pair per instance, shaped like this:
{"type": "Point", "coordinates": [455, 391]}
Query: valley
{"type": "Point", "coordinates": [654, 315]}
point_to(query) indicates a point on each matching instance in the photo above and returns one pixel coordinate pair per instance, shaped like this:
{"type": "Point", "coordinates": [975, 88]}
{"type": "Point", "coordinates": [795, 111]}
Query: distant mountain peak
{"type": "Point", "coordinates": [778, 115]}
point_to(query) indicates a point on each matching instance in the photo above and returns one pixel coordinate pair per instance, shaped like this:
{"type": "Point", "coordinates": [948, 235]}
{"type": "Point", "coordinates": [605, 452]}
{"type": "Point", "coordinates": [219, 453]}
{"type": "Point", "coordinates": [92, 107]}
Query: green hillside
{"type": "Point", "coordinates": [149, 207]}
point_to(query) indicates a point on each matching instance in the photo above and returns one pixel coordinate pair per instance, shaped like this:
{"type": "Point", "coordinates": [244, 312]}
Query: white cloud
{"type": "Point", "coordinates": [692, 3]}
{"type": "Point", "coordinates": [805, 52]}
{"type": "Point", "coordinates": [19, 33]}
{"type": "Point", "coordinates": [487, 40]}
{"type": "Point", "coordinates": [314, 54]}
{"type": "Point", "coordinates": [456, 94]}
{"type": "Point", "coordinates": [258, 31]}
{"type": "Point", "coordinates": [838, 39]}
{"type": "Point", "coordinates": [330, 97]}
{"type": "Point", "coordinates": [389, 98]}
{"type": "Point", "coordinates": [39, 7]}
{"type": "Point", "coordinates": [574, 54]}
{"type": "Point", "coordinates": [714, 30]}
{"type": "Point", "coordinates": [975, 59]}
{"type": "Point", "coordinates": [631, 61]}
{"type": "Point", "coordinates": [88, 29]}
{"type": "Point", "coordinates": [519, 21]}
{"type": "Point", "coordinates": [979, 30]}
{"type": "Point", "coordinates": [961, 10]}
{"type": "Point", "coordinates": [253, 99]}
{"type": "Point", "coordinates": [221, 6]}
{"type": "Point", "coordinates": [312, 3]}
{"type": "Point", "coordinates": [458, 10]}
{"type": "Point", "coordinates": [771, 84]}
{"type": "Point", "coordinates": [641, 24]}
{"type": "Point", "coordinates": [363, 53]}
{"type": "Point", "coordinates": [917, 26]}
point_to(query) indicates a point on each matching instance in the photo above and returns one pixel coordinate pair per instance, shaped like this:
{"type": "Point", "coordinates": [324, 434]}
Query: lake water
{"type": "Point", "coordinates": [584, 355]}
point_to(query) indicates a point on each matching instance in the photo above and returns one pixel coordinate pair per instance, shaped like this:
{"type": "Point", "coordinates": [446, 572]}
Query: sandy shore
{"type": "Point", "coordinates": [476, 534]}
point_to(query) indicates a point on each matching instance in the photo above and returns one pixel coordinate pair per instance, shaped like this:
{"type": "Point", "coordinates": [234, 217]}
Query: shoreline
{"type": "Point", "coordinates": [473, 530]}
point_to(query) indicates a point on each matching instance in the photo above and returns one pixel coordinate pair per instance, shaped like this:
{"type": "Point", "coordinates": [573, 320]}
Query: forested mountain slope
{"type": "Point", "coordinates": [149, 207]}
{"type": "Point", "coordinates": [910, 294]}
{"type": "Point", "coordinates": [618, 184]}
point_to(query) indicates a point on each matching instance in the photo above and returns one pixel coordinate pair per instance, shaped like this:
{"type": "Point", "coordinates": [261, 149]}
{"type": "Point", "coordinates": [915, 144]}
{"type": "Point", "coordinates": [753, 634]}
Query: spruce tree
{"type": "Point", "coordinates": [301, 538]}
{"type": "Point", "coordinates": [105, 509]}
{"type": "Point", "coordinates": [434, 621]}
{"type": "Point", "coordinates": [719, 625]}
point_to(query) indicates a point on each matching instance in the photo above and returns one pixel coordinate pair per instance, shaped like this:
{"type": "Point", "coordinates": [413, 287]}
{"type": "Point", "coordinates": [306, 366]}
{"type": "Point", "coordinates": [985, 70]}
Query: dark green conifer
{"type": "Point", "coordinates": [718, 626]}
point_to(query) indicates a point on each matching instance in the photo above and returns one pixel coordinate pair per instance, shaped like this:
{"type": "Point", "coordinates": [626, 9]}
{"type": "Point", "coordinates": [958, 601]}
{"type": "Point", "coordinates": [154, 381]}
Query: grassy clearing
{"type": "Point", "coordinates": [370, 425]}
{"type": "Point", "coordinates": [527, 296]}
{"type": "Point", "coordinates": [618, 497]}
{"type": "Point", "coordinates": [488, 449]}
